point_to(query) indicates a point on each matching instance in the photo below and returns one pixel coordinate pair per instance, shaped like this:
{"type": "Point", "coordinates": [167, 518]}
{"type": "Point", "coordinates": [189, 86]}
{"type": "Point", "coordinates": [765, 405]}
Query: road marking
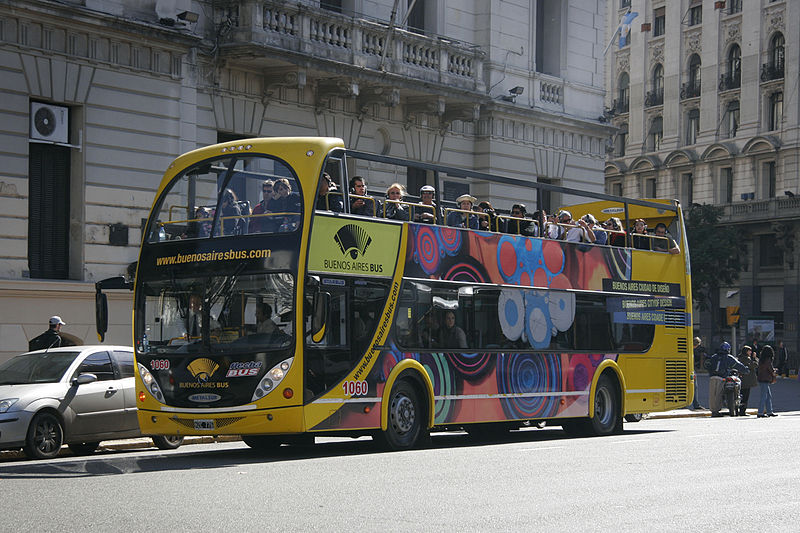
{"type": "Point", "coordinates": [542, 448]}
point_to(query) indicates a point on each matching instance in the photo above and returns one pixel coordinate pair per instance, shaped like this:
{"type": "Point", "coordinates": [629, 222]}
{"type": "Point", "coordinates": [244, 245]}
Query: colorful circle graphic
{"type": "Point", "coordinates": [530, 376]}
{"type": "Point", "coordinates": [427, 252]}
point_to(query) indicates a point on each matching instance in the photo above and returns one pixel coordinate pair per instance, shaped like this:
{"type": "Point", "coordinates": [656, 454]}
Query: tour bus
{"type": "Point", "coordinates": [263, 307]}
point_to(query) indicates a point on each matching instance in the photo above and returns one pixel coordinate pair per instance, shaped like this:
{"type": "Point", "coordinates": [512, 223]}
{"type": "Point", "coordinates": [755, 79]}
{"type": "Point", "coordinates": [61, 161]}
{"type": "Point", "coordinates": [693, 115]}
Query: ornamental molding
{"type": "Point", "coordinates": [732, 32]}
{"type": "Point", "coordinates": [623, 62]}
{"type": "Point", "coordinates": [657, 53]}
{"type": "Point", "coordinates": [693, 41]}
{"type": "Point", "coordinates": [775, 20]}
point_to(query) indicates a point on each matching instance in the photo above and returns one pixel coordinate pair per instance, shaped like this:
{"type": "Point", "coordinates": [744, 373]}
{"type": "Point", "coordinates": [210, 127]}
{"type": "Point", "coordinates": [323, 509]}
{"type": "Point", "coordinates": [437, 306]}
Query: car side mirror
{"type": "Point", "coordinates": [83, 379]}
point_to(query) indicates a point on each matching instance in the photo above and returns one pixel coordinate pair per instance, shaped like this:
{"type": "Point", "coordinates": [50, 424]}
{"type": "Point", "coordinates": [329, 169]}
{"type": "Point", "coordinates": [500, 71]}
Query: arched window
{"type": "Point", "coordinates": [776, 51]}
{"type": "Point", "coordinates": [694, 72]}
{"type": "Point", "coordinates": [735, 66]}
{"type": "Point", "coordinates": [656, 95]}
{"type": "Point", "coordinates": [623, 94]}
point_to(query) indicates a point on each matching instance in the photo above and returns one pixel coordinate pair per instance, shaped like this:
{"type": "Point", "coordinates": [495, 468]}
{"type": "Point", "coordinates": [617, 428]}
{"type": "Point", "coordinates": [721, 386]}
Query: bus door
{"type": "Point", "coordinates": [353, 307]}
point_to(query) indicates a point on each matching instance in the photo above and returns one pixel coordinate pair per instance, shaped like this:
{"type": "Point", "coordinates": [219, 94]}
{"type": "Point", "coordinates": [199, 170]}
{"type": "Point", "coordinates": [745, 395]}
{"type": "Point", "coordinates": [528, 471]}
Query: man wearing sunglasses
{"type": "Point", "coordinates": [258, 222]}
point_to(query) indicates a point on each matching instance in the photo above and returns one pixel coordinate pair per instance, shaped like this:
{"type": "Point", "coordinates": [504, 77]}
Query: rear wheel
{"type": "Point", "coordinates": [45, 437]}
{"type": "Point", "coordinates": [406, 418]}
{"type": "Point", "coordinates": [170, 442]}
{"type": "Point", "coordinates": [83, 448]}
{"type": "Point", "coordinates": [731, 400]}
{"type": "Point", "coordinates": [606, 416]}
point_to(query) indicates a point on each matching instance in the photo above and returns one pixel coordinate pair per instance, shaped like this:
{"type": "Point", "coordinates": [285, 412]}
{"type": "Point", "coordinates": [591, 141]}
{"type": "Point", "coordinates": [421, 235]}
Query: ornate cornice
{"type": "Point", "coordinates": [693, 41]}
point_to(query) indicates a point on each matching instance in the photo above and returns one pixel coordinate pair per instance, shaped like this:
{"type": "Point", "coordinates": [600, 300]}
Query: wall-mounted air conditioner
{"type": "Point", "coordinates": [49, 122]}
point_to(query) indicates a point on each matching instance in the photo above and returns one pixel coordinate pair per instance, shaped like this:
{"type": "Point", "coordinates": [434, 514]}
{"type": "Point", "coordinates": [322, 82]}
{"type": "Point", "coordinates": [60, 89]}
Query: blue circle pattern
{"type": "Point", "coordinates": [520, 373]}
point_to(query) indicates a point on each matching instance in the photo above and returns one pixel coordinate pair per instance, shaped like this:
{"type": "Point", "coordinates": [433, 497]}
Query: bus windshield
{"type": "Point", "coordinates": [236, 195]}
{"type": "Point", "coordinates": [223, 314]}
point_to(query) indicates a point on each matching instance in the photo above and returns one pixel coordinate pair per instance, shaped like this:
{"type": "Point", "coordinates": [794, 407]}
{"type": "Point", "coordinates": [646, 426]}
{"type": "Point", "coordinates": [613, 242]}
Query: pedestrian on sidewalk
{"type": "Point", "coordinates": [50, 338]}
{"type": "Point", "coordinates": [750, 380]}
{"type": "Point", "coordinates": [718, 366]}
{"type": "Point", "coordinates": [766, 376]}
{"type": "Point", "coordinates": [699, 357]}
{"type": "Point", "coordinates": [782, 360]}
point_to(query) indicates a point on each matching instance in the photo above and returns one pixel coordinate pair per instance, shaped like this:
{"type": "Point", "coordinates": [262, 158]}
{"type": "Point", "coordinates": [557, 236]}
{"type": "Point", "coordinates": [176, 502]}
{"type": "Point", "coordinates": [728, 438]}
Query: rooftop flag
{"type": "Point", "coordinates": [624, 30]}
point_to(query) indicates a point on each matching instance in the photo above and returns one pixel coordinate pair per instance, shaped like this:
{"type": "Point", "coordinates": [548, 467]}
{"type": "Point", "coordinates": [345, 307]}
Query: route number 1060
{"type": "Point", "coordinates": [355, 388]}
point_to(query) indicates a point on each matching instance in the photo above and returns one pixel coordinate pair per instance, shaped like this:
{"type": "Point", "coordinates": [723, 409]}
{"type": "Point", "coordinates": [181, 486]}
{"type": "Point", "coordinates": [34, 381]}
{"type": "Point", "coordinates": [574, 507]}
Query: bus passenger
{"type": "Point", "coordinates": [663, 242]}
{"type": "Point", "coordinates": [328, 198]}
{"type": "Point", "coordinates": [230, 214]}
{"type": "Point", "coordinates": [553, 230]}
{"type": "Point", "coordinates": [488, 223]}
{"type": "Point", "coordinates": [461, 220]}
{"type": "Point", "coordinates": [431, 214]}
{"type": "Point", "coordinates": [523, 226]}
{"type": "Point", "coordinates": [285, 201]}
{"type": "Point", "coordinates": [451, 335]}
{"type": "Point", "coordinates": [429, 332]}
{"type": "Point", "coordinates": [392, 209]}
{"type": "Point", "coordinates": [258, 224]}
{"type": "Point", "coordinates": [595, 229]}
{"type": "Point", "coordinates": [616, 237]}
{"type": "Point", "coordinates": [201, 225]}
{"type": "Point", "coordinates": [639, 232]}
{"type": "Point", "coordinates": [266, 326]}
{"type": "Point", "coordinates": [361, 206]}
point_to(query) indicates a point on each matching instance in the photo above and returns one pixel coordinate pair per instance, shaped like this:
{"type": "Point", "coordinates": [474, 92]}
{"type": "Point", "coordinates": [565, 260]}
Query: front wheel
{"type": "Point", "coordinates": [406, 417]}
{"type": "Point", "coordinates": [45, 437]}
{"type": "Point", "coordinates": [731, 396]}
{"type": "Point", "coordinates": [171, 442]}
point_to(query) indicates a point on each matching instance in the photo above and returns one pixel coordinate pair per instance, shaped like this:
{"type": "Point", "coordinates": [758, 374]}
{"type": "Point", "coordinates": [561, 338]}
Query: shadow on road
{"type": "Point", "coordinates": [114, 462]}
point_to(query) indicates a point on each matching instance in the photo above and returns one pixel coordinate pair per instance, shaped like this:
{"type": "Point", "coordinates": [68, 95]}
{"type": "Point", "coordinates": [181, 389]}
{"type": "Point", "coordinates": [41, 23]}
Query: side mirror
{"type": "Point", "coordinates": [83, 379]}
{"type": "Point", "coordinates": [101, 314]}
{"type": "Point", "coordinates": [320, 315]}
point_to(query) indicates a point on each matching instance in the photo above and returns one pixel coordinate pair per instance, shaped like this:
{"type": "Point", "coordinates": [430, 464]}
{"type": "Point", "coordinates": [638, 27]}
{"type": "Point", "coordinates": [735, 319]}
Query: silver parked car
{"type": "Point", "coordinates": [78, 395]}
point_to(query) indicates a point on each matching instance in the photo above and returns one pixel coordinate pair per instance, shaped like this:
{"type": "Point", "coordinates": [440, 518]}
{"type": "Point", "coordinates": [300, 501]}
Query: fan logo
{"type": "Point", "coordinates": [352, 239]}
{"type": "Point", "coordinates": [202, 369]}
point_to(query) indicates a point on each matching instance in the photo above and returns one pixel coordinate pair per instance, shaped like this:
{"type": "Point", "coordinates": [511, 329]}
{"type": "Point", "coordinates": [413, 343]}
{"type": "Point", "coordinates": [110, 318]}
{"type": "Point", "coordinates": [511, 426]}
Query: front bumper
{"type": "Point", "coordinates": [286, 420]}
{"type": "Point", "coordinates": [14, 428]}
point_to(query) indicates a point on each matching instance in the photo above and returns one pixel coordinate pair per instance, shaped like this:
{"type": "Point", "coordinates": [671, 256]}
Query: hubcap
{"type": "Point", "coordinates": [46, 436]}
{"type": "Point", "coordinates": [602, 406]}
{"type": "Point", "coordinates": [403, 415]}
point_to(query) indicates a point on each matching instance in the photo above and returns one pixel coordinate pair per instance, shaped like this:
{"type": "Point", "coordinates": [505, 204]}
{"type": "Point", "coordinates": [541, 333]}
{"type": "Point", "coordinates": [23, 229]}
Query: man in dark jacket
{"type": "Point", "coordinates": [719, 366]}
{"type": "Point", "coordinates": [50, 338]}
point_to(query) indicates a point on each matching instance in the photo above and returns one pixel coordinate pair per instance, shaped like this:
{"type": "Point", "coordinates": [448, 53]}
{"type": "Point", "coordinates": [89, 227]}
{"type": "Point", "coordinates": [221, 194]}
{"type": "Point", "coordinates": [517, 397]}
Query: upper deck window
{"type": "Point", "coordinates": [228, 196]}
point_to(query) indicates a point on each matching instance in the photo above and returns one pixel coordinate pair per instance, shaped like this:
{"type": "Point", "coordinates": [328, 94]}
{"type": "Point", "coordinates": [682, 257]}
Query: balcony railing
{"type": "Point", "coordinates": [690, 90]}
{"type": "Point", "coordinates": [620, 106]}
{"type": "Point", "coordinates": [328, 36]}
{"type": "Point", "coordinates": [730, 81]}
{"type": "Point", "coordinates": [769, 209]}
{"type": "Point", "coordinates": [771, 71]}
{"type": "Point", "coordinates": [654, 97]}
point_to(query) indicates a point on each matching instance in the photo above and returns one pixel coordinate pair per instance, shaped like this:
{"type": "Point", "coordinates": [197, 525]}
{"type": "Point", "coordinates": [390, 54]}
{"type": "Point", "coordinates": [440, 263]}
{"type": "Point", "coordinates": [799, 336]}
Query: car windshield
{"type": "Point", "coordinates": [223, 314]}
{"type": "Point", "coordinates": [44, 367]}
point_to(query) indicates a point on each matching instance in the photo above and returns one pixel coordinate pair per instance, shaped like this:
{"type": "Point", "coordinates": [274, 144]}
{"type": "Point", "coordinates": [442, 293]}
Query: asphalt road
{"type": "Point", "coordinates": [677, 474]}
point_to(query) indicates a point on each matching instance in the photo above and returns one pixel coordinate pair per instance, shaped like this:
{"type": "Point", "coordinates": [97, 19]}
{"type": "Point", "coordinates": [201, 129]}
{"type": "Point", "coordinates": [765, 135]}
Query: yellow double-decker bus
{"type": "Point", "coordinates": [266, 307]}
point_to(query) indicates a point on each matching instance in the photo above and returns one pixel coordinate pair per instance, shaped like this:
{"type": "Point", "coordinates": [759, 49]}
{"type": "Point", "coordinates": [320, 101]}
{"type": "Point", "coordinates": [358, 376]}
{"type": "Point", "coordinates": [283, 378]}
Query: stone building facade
{"type": "Point", "coordinates": [705, 101]}
{"type": "Point", "coordinates": [100, 96]}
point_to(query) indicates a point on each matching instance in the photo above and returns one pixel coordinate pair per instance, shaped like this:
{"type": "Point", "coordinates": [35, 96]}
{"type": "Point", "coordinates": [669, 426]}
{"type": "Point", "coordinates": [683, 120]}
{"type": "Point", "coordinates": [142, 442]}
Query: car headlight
{"type": "Point", "coordinates": [272, 378]}
{"type": "Point", "coordinates": [150, 383]}
{"type": "Point", "coordinates": [7, 403]}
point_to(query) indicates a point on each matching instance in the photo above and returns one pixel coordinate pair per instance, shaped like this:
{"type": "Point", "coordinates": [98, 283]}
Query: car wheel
{"type": "Point", "coordinates": [406, 417]}
{"type": "Point", "coordinates": [45, 437]}
{"type": "Point", "coordinates": [83, 448]}
{"type": "Point", "coordinates": [170, 442]}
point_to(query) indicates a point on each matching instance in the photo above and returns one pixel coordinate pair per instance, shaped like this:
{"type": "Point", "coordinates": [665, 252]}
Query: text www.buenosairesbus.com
{"type": "Point", "coordinates": [200, 257]}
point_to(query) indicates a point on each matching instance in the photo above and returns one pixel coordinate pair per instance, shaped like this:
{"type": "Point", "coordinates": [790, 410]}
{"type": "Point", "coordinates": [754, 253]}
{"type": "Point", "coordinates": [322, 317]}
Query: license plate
{"type": "Point", "coordinates": [204, 424]}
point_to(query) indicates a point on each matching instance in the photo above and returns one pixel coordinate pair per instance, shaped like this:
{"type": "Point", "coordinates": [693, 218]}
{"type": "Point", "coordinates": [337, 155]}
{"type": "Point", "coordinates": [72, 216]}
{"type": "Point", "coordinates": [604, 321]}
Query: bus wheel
{"type": "Point", "coordinates": [262, 443]}
{"type": "Point", "coordinates": [633, 417]}
{"type": "Point", "coordinates": [171, 442]}
{"type": "Point", "coordinates": [406, 417]}
{"type": "Point", "coordinates": [606, 417]}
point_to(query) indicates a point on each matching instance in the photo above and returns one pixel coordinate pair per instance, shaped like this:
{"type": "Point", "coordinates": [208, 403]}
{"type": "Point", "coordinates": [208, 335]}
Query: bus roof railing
{"type": "Point", "coordinates": [493, 178]}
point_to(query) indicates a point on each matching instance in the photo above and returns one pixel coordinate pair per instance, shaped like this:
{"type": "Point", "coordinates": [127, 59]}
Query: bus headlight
{"type": "Point", "coordinates": [272, 378]}
{"type": "Point", "coordinates": [150, 383]}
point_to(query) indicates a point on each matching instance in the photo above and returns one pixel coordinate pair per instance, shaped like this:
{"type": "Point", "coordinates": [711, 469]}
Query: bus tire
{"type": "Point", "coordinates": [171, 442]}
{"type": "Point", "coordinates": [406, 418]}
{"type": "Point", "coordinates": [262, 443]}
{"type": "Point", "coordinates": [606, 418]}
